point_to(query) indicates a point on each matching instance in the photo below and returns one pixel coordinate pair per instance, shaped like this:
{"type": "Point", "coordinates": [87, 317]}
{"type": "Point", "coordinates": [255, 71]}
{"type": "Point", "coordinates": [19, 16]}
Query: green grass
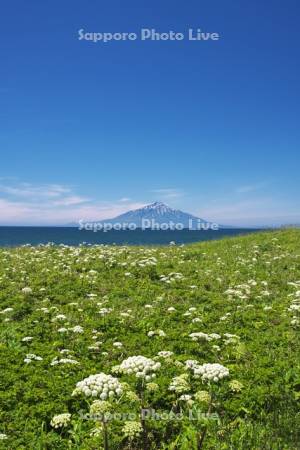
{"type": "Point", "coordinates": [242, 286]}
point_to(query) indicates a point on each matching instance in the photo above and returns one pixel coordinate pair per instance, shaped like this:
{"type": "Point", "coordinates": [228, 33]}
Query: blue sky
{"type": "Point", "coordinates": [89, 130]}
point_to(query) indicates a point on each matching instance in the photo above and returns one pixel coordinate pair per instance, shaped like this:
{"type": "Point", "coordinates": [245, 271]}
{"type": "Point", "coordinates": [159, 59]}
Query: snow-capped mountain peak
{"type": "Point", "coordinates": [159, 207]}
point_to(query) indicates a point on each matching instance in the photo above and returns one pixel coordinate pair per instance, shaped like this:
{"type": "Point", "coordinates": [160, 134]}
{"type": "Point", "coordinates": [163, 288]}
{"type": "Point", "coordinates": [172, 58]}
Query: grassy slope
{"type": "Point", "coordinates": [263, 415]}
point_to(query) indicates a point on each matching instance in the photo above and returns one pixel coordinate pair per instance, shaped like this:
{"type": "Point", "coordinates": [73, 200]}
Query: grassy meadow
{"type": "Point", "coordinates": [194, 346]}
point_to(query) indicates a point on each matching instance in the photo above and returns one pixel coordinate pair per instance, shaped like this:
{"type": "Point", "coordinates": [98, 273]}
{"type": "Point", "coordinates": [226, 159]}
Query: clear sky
{"type": "Point", "coordinates": [89, 130]}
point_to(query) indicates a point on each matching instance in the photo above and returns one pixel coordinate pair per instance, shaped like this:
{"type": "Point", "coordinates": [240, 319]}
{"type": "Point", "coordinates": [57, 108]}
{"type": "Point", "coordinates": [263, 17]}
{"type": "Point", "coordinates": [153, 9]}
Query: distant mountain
{"type": "Point", "coordinates": [157, 213]}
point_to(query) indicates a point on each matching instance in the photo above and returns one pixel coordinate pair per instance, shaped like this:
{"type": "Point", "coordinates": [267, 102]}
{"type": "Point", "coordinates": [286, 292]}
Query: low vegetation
{"type": "Point", "coordinates": [178, 347]}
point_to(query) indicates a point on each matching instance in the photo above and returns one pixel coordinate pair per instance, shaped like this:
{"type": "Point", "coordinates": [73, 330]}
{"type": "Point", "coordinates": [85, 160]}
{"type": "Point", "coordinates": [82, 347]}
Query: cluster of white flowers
{"type": "Point", "coordinates": [118, 344]}
{"type": "Point", "coordinates": [6, 310]}
{"type": "Point", "coordinates": [64, 351]}
{"type": "Point", "coordinates": [295, 322]}
{"type": "Point", "coordinates": [202, 397]}
{"type": "Point", "coordinates": [236, 386]}
{"type": "Point", "coordinates": [294, 307]}
{"type": "Point", "coordinates": [104, 311]}
{"type": "Point", "coordinates": [225, 317]}
{"type": "Point", "coordinates": [132, 429]}
{"type": "Point", "coordinates": [96, 346]}
{"type": "Point", "coordinates": [61, 420]}
{"type": "Point", "coordinates": [211, 372]}
{"type": "Point", "coordinates": [241, 291]}
{"type": "Point", "coordinates": [3, 436]}
{"type": "Point", "coordinates": [199, 336]}
{"type": "Point", "coordinates": [191, 363]}
{"type": "Point", "coordinates": [165, 354]}
{"type": "Point", "coordinates": [196, 320]}
{"type": "Point", "coordinates": [27, 290]}
{"type": "Point", "coordinates": [140, 366]}
{"type": "Point", "coordinates": [100, 408]}
{"type": "Point", "coordinates": [150, 261]}
{"type": "Point", "coordinates": [126, 314]}
{"type": "Point", "coordinates": [59, 317]}
{"type": "Point", "coordinates": [152, 387]}
{"type": "Point", "coordinates": [231, 338]}
{"type": "Point", "coordinates": [147, 306]}
{"type": "Point", "coordinates": [77, 329]}
{"type": "Point", "coordinates": [173, 276]}
{"type": "Point", "coordinates": [99, 385]}
{"type": "Point", "coordinates": [185, 398]}
{"type": "Point", "coordinates": [57, 361]}
{"type": "Point", "coordinates": [32, 357]}
{"type": "Point", "coordinates": [180, 384]}
{"type": "Point", "coordinates": [160, 333]}
{"type": "Point", "coordinates": [27, 339]}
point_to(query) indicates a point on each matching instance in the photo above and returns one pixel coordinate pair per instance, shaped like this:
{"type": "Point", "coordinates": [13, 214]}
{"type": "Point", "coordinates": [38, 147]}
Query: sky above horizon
{"type": "Point", "coordinates": [91, 130]}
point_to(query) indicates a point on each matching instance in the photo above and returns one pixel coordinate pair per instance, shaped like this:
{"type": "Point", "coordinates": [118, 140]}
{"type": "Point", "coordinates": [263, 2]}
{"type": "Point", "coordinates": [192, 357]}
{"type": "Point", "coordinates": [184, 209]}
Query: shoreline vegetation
{"type": "Point", "coordinates": [169, 347]}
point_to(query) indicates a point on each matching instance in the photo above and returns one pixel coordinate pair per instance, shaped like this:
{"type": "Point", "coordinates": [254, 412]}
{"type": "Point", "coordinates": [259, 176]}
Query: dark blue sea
{"type": "Point", "coordinates": [15, 236]}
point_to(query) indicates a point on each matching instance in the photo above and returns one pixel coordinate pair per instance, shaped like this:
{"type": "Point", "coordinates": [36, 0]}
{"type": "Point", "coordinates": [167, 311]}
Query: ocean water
{"type": "Point", "coordinates": [14, 236]}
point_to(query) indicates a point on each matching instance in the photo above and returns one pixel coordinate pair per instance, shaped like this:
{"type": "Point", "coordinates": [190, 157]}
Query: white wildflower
{"type": "Point", "coordinates": [165, 354]}
{"type": "Point", "coordinates": [140, 366]}
{"type": "Point", "coordinates": [60, 420]}
{"type": "Point", "coordinates": [211, 372]}
{"type": "Point", "coordinates": [180, 384]}
{"type": "Point", "coordinates": [27, 339]}
{"type": "Point", "coordinates": [27, 290]}
{"type": "Point", "coordinates": [132, 429]}
{"type": "Point", "coordinates": [100, 385]}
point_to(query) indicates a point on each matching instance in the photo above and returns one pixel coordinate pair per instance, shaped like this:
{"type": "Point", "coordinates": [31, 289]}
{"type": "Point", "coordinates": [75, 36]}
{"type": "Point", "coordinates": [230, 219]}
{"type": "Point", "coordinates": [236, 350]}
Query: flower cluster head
{"type": "Point", "coordinates": [236, 386]}
{"type": "Point", "coordinates": [118, 344]}
{"type": "Point", "coordinates": [104, 311]}
{"type": "Point", "coordinates": [200, 336]}
{"type": "Point", "coordinates": [32, 357]}
{"type": "Point", "coordinates": [6, 310]}
{"type": "Point", "coordinates": [100, 408]}
{"type": "Point", "coordinates": [152, 387]}
{"type": "Point", "coordinates": [27, 339]}
{"type": "Point", "coordinates": [61, 420]}
{"type": "Point", "coordinates": [77, 329]}
{"type": "Point", "coordinates": [57, 361]}
{"type": "Point", "coordinates": [27, 290]}
{"type": "Point", "coordinates": [186, 398]}
{"type": "Point", "coordinates": [165, 354]}
{"type": "Point", "coordinates": [203, 397]}
{"type": "Point", "coordinates": [132, 397]}
{"type": "Point", "coordinates": [231, 338]}
{"type": "Point", "coordinates": [140, 366]}
{"type": "Point", "coordinates": [59, 317]}
{"type": "Point", "coordinates": [180, 384]}
{"type": "Point", "coordinates": [99, 385]}
{"type": "Point", "coordinates": [191, 364]}
{"type": "Point", "coordinates": [132, 429]}
{"type": "Point", "coordinates": [160, 333]}
{"type": "Point", "coordinates": [295, 322]}
{"type": "Point", "coordinates": [294, 307]}
{"type": "Point", "coordinates": [211, 372]}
